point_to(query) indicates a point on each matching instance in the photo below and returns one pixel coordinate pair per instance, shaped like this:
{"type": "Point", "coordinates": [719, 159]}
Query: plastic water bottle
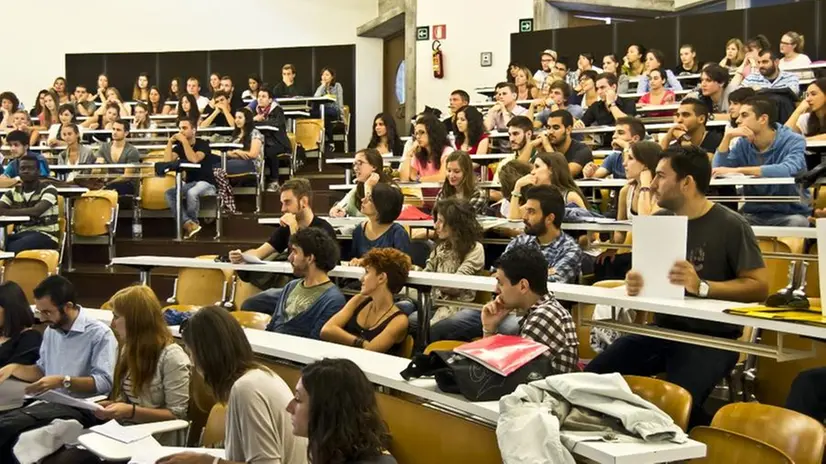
{"type": "Point", "coordinates": [137, 227]}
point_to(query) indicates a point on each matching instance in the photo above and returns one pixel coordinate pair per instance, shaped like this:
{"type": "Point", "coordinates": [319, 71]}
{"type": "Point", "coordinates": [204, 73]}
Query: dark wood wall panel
{"type": "Point", "coordinates": [123, 70]}
{"type": "Point", "coordinates": [650, 33]}
{"type": "Point", "coordinates": [237, 64]}
{"type": "Point", "coordinates": [711, 47]}
{"type": "Point", "coordinates": [183, 65]}
{"type": "Point", "coordinates": [83, 69]}
{"type": "Point", "coordinates": [774, 21]}
{"type": "Point", "coordinates": [300, 57]}
{"type": "Point", "coordinates": [526, 49]}
{"type": "Point", "coordinates": [596, 40]}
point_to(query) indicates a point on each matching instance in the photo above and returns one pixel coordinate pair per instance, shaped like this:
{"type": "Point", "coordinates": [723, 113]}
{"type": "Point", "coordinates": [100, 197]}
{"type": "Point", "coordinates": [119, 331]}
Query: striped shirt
{"type": "Point", "coordinates": [563, 255]}
{"type": "Point", "coordinates": [548, 323]}
{"type": "Point", "coordinates": [46, 223]}
{"type": "Point", "coordinates": [784, 79]}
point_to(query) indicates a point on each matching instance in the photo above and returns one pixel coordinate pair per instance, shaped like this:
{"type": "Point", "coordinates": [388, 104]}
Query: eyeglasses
{"type": "Point", "coordinates": [357, 164]}
{"type": "Point", "coordinates": [786, 43]}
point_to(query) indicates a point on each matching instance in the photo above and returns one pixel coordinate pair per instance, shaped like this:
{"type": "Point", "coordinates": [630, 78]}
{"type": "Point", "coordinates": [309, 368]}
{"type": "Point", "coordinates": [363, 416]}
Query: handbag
{"type": "Point", "coordinates": [456, 373]}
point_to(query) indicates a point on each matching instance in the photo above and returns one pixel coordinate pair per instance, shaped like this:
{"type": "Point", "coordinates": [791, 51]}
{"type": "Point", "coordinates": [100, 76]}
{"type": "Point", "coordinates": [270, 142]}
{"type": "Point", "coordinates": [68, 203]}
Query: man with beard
{"type": "Point", "coordinates": [520, 137]}
{"type": "Point", "coordinates": [77, 357]}
{"type": "Point", "coordinates": [305, 304]}
{"type": "Point", "coordinates": [770, 75]}
{"type": "Point", "coordinates": [690, 127]}
{"type": "Point", "coordinates": [723, 263]}
{"type": "Point", "coordinates": [542, 214]}
{"type": "Point", "coordinates": [627, 132]}
{"type": "Point", "coordinates": [458, 99]}
{"type": "Point", "coordinates": [558, 138]}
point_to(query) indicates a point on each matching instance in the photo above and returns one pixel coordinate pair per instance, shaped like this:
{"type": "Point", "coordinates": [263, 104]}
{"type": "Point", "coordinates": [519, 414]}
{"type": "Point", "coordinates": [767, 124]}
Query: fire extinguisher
{"type": "Point", "coordinates": [438, 60]}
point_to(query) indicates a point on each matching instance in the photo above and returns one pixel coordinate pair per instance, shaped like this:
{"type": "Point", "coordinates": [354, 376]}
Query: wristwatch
{"type": "Point", "coordinates": [702, 291]}
{"type": "Point", "coordinates": [67, 382]}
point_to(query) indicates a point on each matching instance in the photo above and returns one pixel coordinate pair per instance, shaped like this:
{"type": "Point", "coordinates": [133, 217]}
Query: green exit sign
{"type": "Point", "coordinates": [526, 25]}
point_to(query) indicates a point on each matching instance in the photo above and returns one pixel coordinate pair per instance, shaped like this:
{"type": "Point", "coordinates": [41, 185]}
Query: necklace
{"type": "Point", "coordinates": [366, 318]}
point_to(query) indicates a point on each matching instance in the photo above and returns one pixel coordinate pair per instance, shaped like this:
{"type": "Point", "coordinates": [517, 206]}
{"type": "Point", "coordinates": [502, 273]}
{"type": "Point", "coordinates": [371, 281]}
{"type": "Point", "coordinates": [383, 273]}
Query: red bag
{"type": "Point", "coordinates": [411, 213]}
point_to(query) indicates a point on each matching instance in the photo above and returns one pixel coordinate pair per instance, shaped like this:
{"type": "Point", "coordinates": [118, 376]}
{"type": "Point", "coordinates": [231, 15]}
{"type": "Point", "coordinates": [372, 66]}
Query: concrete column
{"type": "Point", "coordinates": [547, 16]}
{"type": "Point", "coordinates": [738, 4]}
{"type": "Point", "coordinates": [410, 7]}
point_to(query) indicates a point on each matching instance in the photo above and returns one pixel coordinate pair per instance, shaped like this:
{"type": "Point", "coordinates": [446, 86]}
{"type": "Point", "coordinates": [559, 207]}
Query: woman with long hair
{"type": "Point", "coordinates": [610, 64]}
{"type": "Point", "coordinates": [257, 422]}
{"type": "Point", "coordinates": [471, 136]}
{"type": "Point", "coordinates": [19, 344]}
{"type": "Point", "coordinates": [335, 409]}
{"type": "Point", "coordinates": [509, 174]}
{"type": "Point", "coordinates": [461, 183]}
{"type": "Point", "coordinates": [525, 85]}
{"type": "Point", "coordinates": [549, 169]}
{"type": "Point", "coordinates": [242, 160]}
{"type": "Point", "coordinates": [735, 54]}
{"type": "Point", "coordinates": [49, 114]}
{"type": "Point", "coordinates": [657, 93]}
{"type": "Point", "coordinates": [809, 119]}
{"type": "Point", "coordinates": [59, 87]}
{"type": "Point", "coordinates": [188, 108]}
{"type": "Point", "coordinates": [140, 91]}
{"type": "Point", "coordinates": [385, 136]}
{"type": "Point", "coordinates": [587, 94]}
{"type": "Point", "coordinates": [424, 161]}
{"type": "Point", "coordinates": [633, 62]}
{"type": "Point", "coordinates": [754, 48]}
{"type": "Point", "coordinates": [214, 84]}
{"type": "Point", "coordinates": [253, 83]}
{"type": "Point", "coordinates": [142, 121]}
{"type": "Point", "coordinates": [371, 319]}
{"type": "Point", "coordinates": [510, 73]}
{"type": "Point", "coordinates": [791, 47]}
{"type": "Point", "coordinates": [103, 86]}
{"type": "Point", "coordinates": [172, 94]}
{"type": "Point", "coordinates": [38, 103]}
{"type": "Point", "coordinates": [368, 166]}
{"type": "Point", "coordinates": [22, 122]}
{"type": "Point", "coordinates": [155, 104]}
{"type": "Point", "coordinates": [654, 59]}
{"type": "Point", "coordinates": [65, 116]}
{"type": "Point", "coordinates": [113, 97]}
{"type": "Point", "coordinates": [330, 87]}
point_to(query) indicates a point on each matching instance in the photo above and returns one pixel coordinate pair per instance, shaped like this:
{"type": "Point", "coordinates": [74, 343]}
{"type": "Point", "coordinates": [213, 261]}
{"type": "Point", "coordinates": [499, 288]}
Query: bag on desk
{"type": "Point", "coordinates": [455, 373]}
{"type": "Point", "coordinates": [267, 280]}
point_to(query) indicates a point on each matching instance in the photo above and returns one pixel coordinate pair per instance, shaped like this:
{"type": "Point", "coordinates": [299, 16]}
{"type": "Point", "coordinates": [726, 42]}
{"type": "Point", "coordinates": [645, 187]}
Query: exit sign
{"type": "Point", "coordinates": [526, 25]}
{"type": "Point", "coordinates": [423, 33]}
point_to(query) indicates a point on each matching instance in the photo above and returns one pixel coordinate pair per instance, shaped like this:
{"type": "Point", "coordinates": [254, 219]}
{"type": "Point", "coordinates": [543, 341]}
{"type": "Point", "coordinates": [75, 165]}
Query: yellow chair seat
{"type": "Point", "coordinates": [251, 319]}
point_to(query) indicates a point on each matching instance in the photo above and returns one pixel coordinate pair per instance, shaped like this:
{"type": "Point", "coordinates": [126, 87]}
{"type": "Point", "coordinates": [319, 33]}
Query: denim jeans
{"type": "Point", "coordinates": [237, 166]}
{"type": "Point", "coordinates": [190, 193]}
{"type": "Point", "coordinates": [29, 240]}
{"type": "Point", "coordinates": [263, 302]}
{"type": "Point", "coordinates": [465, 325]}
{"type": "Point", "coordinates": [777, 219]}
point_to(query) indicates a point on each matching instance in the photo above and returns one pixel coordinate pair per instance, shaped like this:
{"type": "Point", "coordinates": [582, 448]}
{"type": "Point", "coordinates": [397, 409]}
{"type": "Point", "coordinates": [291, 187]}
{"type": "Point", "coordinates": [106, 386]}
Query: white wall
{"type": "Point", "coordinates": [158, 25]}
{"type": "Point", "coordinates": [473, 27]}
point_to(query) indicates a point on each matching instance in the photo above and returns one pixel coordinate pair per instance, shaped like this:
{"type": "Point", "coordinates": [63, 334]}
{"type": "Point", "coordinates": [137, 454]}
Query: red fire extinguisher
{"type": "Point", "coordinates": [438, 60]}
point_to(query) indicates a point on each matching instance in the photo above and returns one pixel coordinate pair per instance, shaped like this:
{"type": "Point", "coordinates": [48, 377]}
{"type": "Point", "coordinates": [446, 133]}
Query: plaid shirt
{"type": "Point", "coordinates": [478, 200]}
{"type": "Point", "coordinates": [547, 322]}
{"type": "Point", "coordinates": [563, 255]}
{"type": "Point", "coordinates": [784, 79]}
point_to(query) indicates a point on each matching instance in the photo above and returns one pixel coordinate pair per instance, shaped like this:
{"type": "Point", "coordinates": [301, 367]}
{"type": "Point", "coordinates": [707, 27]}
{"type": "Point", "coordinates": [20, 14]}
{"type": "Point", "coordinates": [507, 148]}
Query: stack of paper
{"type": "Point", "coordinates": [12, 394]}
{"type": "Point", "coordinates": [152, 455]}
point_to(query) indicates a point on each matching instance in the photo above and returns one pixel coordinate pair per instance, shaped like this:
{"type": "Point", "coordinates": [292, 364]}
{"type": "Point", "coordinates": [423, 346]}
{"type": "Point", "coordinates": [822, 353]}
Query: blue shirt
{"type": "Point", "coordinates": [88, 349]}
{"type": "Point", "coordinates": [613, 163]}
{"type": "Point", "coordinates": [563, 255]}
{"type": "Point", "coordinates": [784, 79]}
{"type": "Point", "coordinates": [11, 170]}
{"type": "Point", "coordinates": [395, 237]}
{"type": "Point", "coordinates": [784, 158]}
{"type": "Point", "coordinates": [671, 82]}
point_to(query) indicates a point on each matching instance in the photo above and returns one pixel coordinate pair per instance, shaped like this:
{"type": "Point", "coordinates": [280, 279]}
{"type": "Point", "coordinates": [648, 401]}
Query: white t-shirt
{"type": "Point", "coordinates": [202, 102]}
{"type": "Point", "coordinates": [803, 123]}
{"type": "Point", "coordinates": [798, 62]}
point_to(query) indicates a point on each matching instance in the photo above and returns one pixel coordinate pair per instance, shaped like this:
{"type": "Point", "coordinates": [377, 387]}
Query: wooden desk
{"type": "Point", "coordinates": [110, 449]}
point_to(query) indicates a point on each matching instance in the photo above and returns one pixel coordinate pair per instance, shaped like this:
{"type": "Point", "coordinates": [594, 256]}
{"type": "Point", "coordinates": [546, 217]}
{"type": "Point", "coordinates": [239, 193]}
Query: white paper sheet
{"type": "Point", "coordinates": [12, 394]}
{"type": "Point", "coordinates": [821, 257]}
{"type": "Point", "coordinates": [115, 431]}
{"type": "Point", "coordinates": [150, 455]}
{"type": "Point", "coordinates": [251, 259]}
{"type": "Point", "coordinates": [54, 396]}
{"type": "Point", "coordinates": [659, 242]}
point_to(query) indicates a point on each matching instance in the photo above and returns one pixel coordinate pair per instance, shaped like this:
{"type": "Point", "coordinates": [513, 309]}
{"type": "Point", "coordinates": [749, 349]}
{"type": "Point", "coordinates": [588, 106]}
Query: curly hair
{"type": "Point", "coordinates": [475, 127]}
{"type": "Point", "coordinates": [390, 261]}
{"type": "Point", "coordinates": [460, 217]}
{"type": "Point", "coordinates": [345, 423]}
{"type": "Point", "coordinates": [436, 138]}
{"type": "Point", "coordinates": [318, 243]}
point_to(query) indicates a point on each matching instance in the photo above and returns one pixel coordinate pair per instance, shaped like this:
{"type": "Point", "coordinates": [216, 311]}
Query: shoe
{"type": "Point", "coordinates": [186, 228]}
{"type": "Point", "coordinates": [272, 186]}
{"type": "Point", "coordinates": [191, 229]}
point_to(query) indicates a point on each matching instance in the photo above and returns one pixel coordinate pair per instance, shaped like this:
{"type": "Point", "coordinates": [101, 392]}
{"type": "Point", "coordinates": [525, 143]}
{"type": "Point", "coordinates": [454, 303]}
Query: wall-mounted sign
{"type": "Point", "coordinates": [440, 32]}
{"type": "Point", "coordinates": [423, 33]}
{"type": "Point", "coordinates": [486, 59]}
{"type": "Point", "coordinates": [526, 25]}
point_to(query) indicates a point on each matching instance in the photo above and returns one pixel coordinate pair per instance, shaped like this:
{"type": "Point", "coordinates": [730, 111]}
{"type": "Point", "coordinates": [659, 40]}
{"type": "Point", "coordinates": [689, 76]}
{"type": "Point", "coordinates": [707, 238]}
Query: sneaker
{"type": "Point", "coordinates": [186, 228]}
{"type": "Point", "coordinates": [272, 186]}
{"type": "Point", "coordinates": [192, 229]}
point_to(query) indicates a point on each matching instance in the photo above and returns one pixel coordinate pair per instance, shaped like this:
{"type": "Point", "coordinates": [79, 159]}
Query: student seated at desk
{"type": "Point", "coordinates": [770, 76]}
{"type": "Point", "coordinates": [690, 127]}
{"type": "Point", "coordinates": [503, 111]}
{"type": "Point", "coordinates": [77, 357]}
{"type": "Point", "coordinates": [75, 153]}
{"type": "Point", "coordinates": [113, 98]}
{"type": "Point", "coordinates": [628, 131]}
{"type": "Point", "coordinates": [471, 136]}
{"type": "Point", "coordinates": [257, 423]}
{"type": "Point", "coordinates": [809, 119]}
{"type": "Point", "coordinates": [218, 112]}
{"type": "Point", "coordinates": [555, 97]}
{"type": "Point", "coordinates": [188, 108]}
{"type": "Point", "coordinates": [657, 94]}
{"type": "Point", "coordinates": [715, 89]}
{"type": "Point", "coordinates": [36, 199]}
{"type": "Point", "coordinates": [288, 87]}
{"type": "Point", "coordinates": [654, 60]}
{"type": "Point", "coordinates": [102, 121]}
{"type": "Point", "coordinates": [193, 87]}
{"type": "Point", "coordinates": [22, 122]}
{"type": "Point", "coordinates": [242, 160]}
{"type": "Point", "coordinates": [304, 305]}
{"type": "Point", "coordinates": [458, 99]}
{"type": "Point", "coordinates": [380, 230]}
{"type": "Point", "coordinates": [119, 151]}
{"type": "Point", "coordinates": [521, 286]}
{"type": "Point", "coordinates": [460, 183]}
{"type": "Point", "coordinates": [425, 160]}
{"type": "Point", "coordinates": [767, 150]}
{"type": "Point", "coordinates": [558, 138]}
{"type": "Point", "coordinates": [330, 87]}
{"type": "Point", "coordinates": [270, 113]}
{"type": "Point", "coordinates": [20, 341]}
{"type": "Point", "coordinates": [335, 408]}
{"type": "Point", "coordinates": [18, 142]}
{"type": "Point", "coordinates": [385, 136]}
{"type": "Point", "coordinates": [524, 146]}
{"type": "Point", "coordinates": [509, 174]}
{"type": "Point", "coordinates": [368, 166]}
{"type": "Point", "coordinates": [609, 108]}
{"type": "Point", "coordinates": [48, 114]}
{"type": "Point", "coordinates": [141, 120]}
{"type": "Point", "coordinates": [65, 116]}
{"type": "Point", "coordinates": [724, 263]}
{"type": "Point", "coordinates": [296, 214]}
{"type": "Point", "coordinates": [549, 169]}
{"type": "Point", "coordinates": [458, 251]}
{"type": "Point", "coordinates": [371, 319]}
{"type": "Point", "coordinates": [253, 84]}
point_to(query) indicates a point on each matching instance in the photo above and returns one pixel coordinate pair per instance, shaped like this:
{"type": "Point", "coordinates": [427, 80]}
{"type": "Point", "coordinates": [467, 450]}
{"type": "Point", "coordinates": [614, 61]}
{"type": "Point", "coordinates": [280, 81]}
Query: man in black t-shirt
{"type": "Point", "coordinates": [296, 214]}
{"type": "Point", "coordinates": [690, 127]}
{"type": "Point", "coordinates": [288, 87]}
{"type": "Point", "coordinates": [218, 112]}
{"type": "Point", "coordinates": [558, 138]}
{"type": "Point", "coordinates": [186, 148]}
{"type": "Point", "coordinates": [609, 108]}
{"type": "Point", "coordinates": [723, 262]}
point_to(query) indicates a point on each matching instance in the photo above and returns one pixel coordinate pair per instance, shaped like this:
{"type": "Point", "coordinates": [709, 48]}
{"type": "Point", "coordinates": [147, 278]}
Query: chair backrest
{"type": "Point", "coordinates": [242, 291]}
{"type": "Point", "coordinates": [406, 350]}
{"type": "Point", "coordinates": [723, 446]}
{"type": "Point", "coordinates": [813, 274]}
{"type": "Point", "coordinates": [93, 211]}
{"type": "Point", "coordinates": [672, 399]}
{"type": "Point", "coordinates": [251, 319]}
{"type": "Point", "coordinates": [586, 311]}
{"type": "Point", "coordinates": [201, 287]}
{"type": "Point", "coordinates": [215, 426]}
{"type": "Point", "coordinates": [153, 190]}
{"type": "Point", "coordinates": [443, 345]}
{"type": "Point", "coordinates": [799, 436]}
{"type": "Point", "coordinates": [308, 133]}
{"type": "Point", "coordinates": [778, 268]}
{"type": "Point", "coordinates": [28, 268]}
